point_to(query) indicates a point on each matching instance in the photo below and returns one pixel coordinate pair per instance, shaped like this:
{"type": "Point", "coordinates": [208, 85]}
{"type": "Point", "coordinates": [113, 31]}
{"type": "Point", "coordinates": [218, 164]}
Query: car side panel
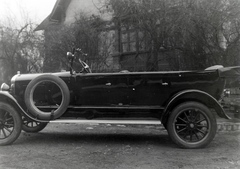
{"type": "Point", "coordinates": [147, 90]}
{"type": "Point", "coordinates": [101, 90]}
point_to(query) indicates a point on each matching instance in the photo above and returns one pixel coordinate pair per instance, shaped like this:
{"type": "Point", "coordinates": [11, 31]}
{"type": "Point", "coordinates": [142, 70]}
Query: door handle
{"type": "Point", "coordinates": [165, 84]}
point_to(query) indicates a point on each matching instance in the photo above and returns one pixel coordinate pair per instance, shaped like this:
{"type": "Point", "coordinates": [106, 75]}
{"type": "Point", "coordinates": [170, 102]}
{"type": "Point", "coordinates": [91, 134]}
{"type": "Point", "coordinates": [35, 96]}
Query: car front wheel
{"type": "Point", "coordinates": [192, 125]}
{"type": "Point", "coordinates": [10, 124]}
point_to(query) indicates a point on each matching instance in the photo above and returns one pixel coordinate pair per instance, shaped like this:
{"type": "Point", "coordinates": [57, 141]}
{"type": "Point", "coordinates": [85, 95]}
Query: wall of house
{"type": "Point", "coordinates": [95, 8]}
{"type": "Point", "coordinates": [88, 7]}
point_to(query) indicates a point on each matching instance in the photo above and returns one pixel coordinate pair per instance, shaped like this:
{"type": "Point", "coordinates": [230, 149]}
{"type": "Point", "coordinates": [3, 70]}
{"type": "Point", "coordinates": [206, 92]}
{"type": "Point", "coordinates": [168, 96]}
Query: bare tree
{"type": "Point", "coordinates": [87, 33]}
{"type": "Point", "coordinates": [20, 50]}
{"type": "Point", "coordinates": [210, 33]}
{"type": "Point", "coordinates": [196, 34]}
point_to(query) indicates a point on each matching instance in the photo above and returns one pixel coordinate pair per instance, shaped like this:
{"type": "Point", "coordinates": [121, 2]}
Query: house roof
{"type": "Point", "coordinates": [56, 16]}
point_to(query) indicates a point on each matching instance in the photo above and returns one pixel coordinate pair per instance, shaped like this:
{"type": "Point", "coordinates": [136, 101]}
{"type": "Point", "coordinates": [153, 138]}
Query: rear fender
{"type": "Point", "coordinates": [193, 95]}
{"type": "Point", "coordinates": [8, 98]}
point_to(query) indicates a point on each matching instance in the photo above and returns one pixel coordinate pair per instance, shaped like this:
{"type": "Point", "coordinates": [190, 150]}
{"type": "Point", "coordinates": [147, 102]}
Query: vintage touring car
{"type": "Point", "coordinates": [185, 102]}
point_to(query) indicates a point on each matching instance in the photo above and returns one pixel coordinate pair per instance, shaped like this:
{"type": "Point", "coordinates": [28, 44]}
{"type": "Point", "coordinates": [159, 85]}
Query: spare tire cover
{"type": "Point", "coordinates": [43, 115]}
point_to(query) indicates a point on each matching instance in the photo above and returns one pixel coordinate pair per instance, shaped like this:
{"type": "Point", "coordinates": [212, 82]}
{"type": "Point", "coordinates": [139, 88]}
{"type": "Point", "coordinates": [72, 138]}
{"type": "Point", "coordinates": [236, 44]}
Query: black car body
{"type": "Point", "coordinates": [113, 92]}
{"type": "Point", "coordinates": [184, 101]}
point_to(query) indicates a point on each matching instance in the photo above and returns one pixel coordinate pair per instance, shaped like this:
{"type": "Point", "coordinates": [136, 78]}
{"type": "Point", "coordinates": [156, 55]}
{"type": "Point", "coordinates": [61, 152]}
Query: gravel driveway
{"type": "Point", "coordinates": [61, 146]}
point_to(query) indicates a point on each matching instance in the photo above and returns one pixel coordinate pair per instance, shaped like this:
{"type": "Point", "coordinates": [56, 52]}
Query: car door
{"type": "Point", "coordinates": [148, 89]}
{"type": "Point", "coordinates": [101, 89]}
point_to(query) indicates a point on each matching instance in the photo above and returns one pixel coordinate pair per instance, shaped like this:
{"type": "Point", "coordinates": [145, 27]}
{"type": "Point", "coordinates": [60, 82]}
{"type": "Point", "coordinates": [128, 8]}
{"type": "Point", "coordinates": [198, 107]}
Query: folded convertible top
{"type": "Point", "coordinates": [229, 72]}
{"type": "Point", "coordinates": [232, 76]}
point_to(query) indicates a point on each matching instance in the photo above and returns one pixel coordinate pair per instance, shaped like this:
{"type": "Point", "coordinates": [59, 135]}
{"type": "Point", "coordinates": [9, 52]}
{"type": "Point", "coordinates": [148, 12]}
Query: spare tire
{"type": "Point", "coordinates": [29, 100]}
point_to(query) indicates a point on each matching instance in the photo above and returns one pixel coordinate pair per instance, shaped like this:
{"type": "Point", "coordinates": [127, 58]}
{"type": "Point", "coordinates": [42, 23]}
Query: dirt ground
{"type": "Point", "coordinates": [78, 146]}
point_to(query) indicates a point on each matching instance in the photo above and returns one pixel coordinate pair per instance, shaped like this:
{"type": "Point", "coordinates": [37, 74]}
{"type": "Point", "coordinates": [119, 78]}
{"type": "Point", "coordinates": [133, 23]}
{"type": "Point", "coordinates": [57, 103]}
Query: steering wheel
{"type": "Point", "coordinates": [72, 57]}
{"type": "Point", "coordinates": [85, 66]}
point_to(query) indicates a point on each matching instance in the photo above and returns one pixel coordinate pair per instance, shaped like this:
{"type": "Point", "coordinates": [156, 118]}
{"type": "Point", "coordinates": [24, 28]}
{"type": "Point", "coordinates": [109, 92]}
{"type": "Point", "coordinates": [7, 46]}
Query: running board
{"type": "Point", "coordinates": [113, 107]}
{"type": "Point", "coordinates": [102, 121]}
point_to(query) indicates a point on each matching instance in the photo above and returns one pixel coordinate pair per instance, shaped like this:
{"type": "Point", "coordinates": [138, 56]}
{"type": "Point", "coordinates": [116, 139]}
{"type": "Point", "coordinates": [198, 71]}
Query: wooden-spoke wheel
{"type": "Point", "coordinates": [192, 125]}
{"type": "Point", "coordinates": [31, 126]}
{"type": "Point", "coordinates": [10, 124]}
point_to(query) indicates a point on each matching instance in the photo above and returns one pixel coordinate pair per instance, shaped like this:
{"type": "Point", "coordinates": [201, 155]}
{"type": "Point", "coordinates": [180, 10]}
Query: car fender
{"type": "Point", "coordinates": [193, 95]}
{"type": "Point", "coordinates": [6, 97]}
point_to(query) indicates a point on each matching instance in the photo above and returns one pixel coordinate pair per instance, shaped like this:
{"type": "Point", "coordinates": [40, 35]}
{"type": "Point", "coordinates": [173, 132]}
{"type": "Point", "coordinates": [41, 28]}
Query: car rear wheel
{"type": "Point", "coordinates": [192, 125]}
{"type": "Point", "coordinates": [58, 108]}
{"type": "Point", "coordinates": [32, 126]}
{"type": "Point", "coordinates": [10, 124]}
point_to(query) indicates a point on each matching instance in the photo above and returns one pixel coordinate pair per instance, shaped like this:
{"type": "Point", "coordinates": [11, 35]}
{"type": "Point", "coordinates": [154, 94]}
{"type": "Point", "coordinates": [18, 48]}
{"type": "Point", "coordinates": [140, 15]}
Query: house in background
{"type": "Point", "coordinates": [66, 12]}
{"type": "Point", "coordinates": [129, 48]}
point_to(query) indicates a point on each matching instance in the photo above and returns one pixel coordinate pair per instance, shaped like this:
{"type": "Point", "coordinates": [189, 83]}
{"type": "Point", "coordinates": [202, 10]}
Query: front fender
{"type": "Point", "coordinates": [8, 98]}
{"type": "Point", "coordinates": [193, 95]}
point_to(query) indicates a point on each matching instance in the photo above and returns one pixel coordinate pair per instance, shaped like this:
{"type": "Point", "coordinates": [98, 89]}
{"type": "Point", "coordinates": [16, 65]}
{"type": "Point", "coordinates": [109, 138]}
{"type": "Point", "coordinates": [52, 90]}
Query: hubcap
{"type": "Point", "coordinates": [191, 125]}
